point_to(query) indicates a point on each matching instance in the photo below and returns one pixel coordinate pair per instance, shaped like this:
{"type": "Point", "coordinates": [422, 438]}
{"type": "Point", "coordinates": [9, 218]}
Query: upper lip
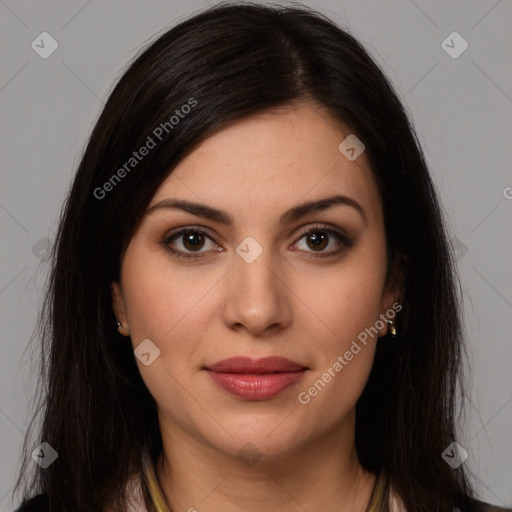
{"type": "Point", "coordinates": [250, 365]}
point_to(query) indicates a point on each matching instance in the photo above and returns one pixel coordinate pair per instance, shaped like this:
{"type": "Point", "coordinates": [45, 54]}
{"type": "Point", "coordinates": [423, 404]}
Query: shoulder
{"type": "Point", "coordinates": [38, 503]}
{"type": "Point", "coordinates": [468, 505]}
{"type": "Point", "coordinates": [480, 506]}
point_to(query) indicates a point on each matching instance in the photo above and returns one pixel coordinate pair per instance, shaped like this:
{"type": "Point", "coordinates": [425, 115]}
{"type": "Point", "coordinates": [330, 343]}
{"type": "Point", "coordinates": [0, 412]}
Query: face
{"type": "Point", "coordinates": [257, 272]}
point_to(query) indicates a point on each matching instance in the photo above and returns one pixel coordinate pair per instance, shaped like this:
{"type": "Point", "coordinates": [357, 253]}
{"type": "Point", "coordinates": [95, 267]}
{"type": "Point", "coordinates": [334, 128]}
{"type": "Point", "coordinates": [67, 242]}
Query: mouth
{"type": "Point", "coordinates": [255, 379]}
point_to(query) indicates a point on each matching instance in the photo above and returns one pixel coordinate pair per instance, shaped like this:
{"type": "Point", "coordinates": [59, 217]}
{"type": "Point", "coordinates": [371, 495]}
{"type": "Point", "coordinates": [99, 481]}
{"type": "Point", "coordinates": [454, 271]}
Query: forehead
{"type": "Point", "coordinates": [281, 156]}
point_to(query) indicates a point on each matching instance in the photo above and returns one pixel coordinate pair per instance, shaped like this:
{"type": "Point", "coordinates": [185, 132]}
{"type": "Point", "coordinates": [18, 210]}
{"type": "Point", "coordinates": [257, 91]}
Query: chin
{"type": "Point", "coordinates": [267, 441]}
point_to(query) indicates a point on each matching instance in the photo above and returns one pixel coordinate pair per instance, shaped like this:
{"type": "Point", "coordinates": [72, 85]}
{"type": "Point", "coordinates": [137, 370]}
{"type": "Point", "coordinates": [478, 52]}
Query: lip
{"type": "Point", "coordinates": [256, 379]}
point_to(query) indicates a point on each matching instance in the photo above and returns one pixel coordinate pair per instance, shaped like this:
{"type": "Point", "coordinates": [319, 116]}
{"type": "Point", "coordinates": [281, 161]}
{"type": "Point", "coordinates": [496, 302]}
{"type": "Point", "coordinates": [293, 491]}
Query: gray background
{"type": "Point", "coordinates": [461, 109]}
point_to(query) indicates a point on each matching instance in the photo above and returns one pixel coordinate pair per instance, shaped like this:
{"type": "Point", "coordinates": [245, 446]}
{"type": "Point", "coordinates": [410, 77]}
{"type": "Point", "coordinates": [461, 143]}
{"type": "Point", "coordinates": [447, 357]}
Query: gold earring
{"type": "Point", "coordinates": [121, 329]}
{"type": "Point", "coordinates": [392, 328]}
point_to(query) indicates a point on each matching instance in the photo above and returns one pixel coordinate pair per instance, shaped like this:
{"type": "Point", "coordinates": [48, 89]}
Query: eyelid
{"type": "Point", "coordinates": [183, 229]}
{"type": "Point", "coordinates": [321, 227]}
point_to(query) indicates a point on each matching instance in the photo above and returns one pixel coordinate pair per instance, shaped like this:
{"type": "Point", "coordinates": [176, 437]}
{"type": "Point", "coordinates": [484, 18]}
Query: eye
{"type": "Point", "coordinates": [318, 238]}
{"type": "Point", "coordinates": [193, 242]}
{"type": "Point", "coordinates": [186, 242]}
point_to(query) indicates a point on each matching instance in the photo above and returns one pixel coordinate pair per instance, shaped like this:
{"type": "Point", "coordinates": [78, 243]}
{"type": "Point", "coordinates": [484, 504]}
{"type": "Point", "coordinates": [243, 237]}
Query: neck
{"type": "Point", "coordinates": [196, 477]}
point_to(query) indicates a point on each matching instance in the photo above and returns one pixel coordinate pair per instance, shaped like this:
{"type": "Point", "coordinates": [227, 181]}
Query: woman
{"type": "Point", "coordinates": [252, 288]}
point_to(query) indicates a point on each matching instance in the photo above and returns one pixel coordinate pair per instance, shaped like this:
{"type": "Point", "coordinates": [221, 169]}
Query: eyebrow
{"type": "Point", "coordinates": [292, 215]}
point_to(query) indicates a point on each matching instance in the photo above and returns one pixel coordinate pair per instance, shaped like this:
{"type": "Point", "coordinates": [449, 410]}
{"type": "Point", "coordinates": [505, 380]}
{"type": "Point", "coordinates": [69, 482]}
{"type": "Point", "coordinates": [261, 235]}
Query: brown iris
{"type": "Point", "coordinates": [193, 240]}
{"type": "Point", "coordinates": [318, 240]}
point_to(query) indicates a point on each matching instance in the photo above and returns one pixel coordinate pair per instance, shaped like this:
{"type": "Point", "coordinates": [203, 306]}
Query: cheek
{"type": "Point", "coordinates": [344, 301]}
{"type": "Point", "coordinates": [161, 299]}
{"type": "Point", "coordinates": [345, 349]}
{"type": "Point", "coordinates": [172, 308]}
{"type": "Point", "coordinates": [347, 344]}
{"type": "Point", "coordinates": [346, 304]}
{"type": "Point", "coordinates": [168, 307]}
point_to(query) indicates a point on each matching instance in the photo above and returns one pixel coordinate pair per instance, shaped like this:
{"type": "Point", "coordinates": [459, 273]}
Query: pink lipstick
{"type": "Point", "coordinates": [255, 379]}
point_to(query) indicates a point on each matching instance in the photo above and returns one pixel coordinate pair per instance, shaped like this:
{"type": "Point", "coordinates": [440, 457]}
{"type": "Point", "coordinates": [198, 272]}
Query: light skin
{"type": "Point", "coordinates": [287, 302]}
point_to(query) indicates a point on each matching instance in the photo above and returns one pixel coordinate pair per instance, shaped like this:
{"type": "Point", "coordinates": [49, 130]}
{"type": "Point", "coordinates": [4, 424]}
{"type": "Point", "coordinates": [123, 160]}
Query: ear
{"type": "Point", "coordinates": [393, 293]}
{"type": "Point", "coordinates": [119, 307]}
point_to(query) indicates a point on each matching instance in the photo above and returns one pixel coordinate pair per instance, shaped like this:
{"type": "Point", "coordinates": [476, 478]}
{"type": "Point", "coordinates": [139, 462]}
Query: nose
{"type": "Point", "coordinates": [257, 297]}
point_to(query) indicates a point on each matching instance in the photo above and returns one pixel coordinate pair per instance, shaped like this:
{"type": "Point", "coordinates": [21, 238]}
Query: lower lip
{"type": "Point", "coordinates": [256, 386]}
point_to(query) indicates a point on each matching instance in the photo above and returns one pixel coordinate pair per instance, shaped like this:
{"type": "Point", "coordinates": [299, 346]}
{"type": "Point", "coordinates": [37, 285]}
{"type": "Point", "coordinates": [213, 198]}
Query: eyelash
{"type": "Point", "coordinates": [323, 228]}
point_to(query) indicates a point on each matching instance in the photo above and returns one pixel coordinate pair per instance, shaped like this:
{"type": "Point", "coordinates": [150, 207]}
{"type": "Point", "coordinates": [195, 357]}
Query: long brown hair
{"type": "Point", "coordinates": [234, 61]}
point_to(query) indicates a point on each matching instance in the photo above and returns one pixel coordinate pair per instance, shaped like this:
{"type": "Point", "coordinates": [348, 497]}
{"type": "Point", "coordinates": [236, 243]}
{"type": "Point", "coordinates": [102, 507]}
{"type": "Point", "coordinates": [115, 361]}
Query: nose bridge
{"type": "Point", "coordinates": [260, 278]}
{"type": "Point", "coordinates": [256, 298]}
{"type": "Point", "coordinates": [254, 268]}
